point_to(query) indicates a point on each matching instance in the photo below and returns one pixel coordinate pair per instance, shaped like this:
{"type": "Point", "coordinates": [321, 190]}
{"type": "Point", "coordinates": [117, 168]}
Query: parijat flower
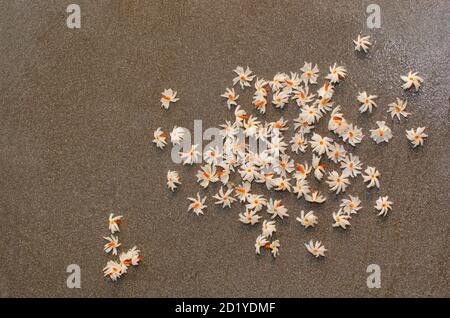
{"type": "Point", "coordinates": [382, 133]}
{"type": "Point", "coordinates": [352, 134]}
{"type": "Point", "coordinates": [159, 138]}
{"type": "Point", "coordinates": [320, 144]}
{"type": "Point", "coordinates": [113, 270]}
{"type": "Point", "coordinates": [299, 143]}
{"type": "Point", "coordinates": [316, 249]}
{"type": "Point", "coordinates": [114, 222]}
{"type": "Point", "coordinates": [172, 180]}
{"type": "Point", "coordinates": [224, 198]}
{"type": "Point", "coordinates": [337, 73]}
{"type": "Point", "coordinates": [231, 97]}
{"type": "Point", "coordinates": [341, 219]}
{"type": "Point", "coordinates": [362, 43]}
{"type": "Point", "coordinates": [206, 175]}
{"type": "Point", "coordinates": [338, 183]}
{"type": "Point", "coordinates": [310, 74]}
{"type": "Point", "coordinates": [280, 99]}
{"type": "Point", "coordinates": [197, 205]}
{"type": "Point", "coordinates": [278, 81]}
{"type": "Point", "coordinates": [301, 188]}
{"type": "Point", "coordinates": [319, 168]}
{"type": "Point", "coordinates": [336, 152]}
{"type": "Point", "coordinates": [268, 227]}
{"type": "Point", "coordinates": [255, 202]}
{"type": "Point", "coordinates": [351, 206]}
{"type": "Point", "coordinates": [416, 136]}
{"type": "Point", "coordinates": [243, 77]}
{"type": "Point", "coordinates": [249, 217]}
{"type": "Point", "coordinates": [274, 247]}
{"type": "Point", "coordinates": [177, 135]}
{"type": "Point", "coordinates": [191, 156]}
{"type": "Point", "coordinates": [308, 219]}
{"type": "Point", "coordinates": [168, 96]}
{"type": "Point", "coordinates": [410, 80]}
{"type": "Point", "coordinates": [383, 205]}
{"type": "Point", "coordinates": [398, 108]}
{"type": "Point", "coordinates": [351, 165]}
{"type": "Point", "coordinates": [371, 177]}
{"type": "Point", "coordinates": [367, 102]}
{"type": "Point", "coordinates": [112, 245]}
{"type": "Point", "coordinates": [315, 197]}
{"type": "Point", "coordinates": [276, 208]}
{"type": "Point", "coordinates": [261, 241]}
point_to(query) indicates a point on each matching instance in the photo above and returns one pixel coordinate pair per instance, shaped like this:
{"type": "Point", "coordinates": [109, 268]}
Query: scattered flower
{"type": "Point", "coordinates": [172, 180]}
{"type": "Point", "coordinates": [112, 245]}
{"type": "Point", "coordinates": [244, 77]}
{"type": "Point", "coordinates": [169, 96]}
{"type": "Point", "coordinates": [371, 176]}
{"type": "Point", "coordinates": [412, 79]}
{"type": "Point", "coordinates": [159, 138]}
{"type": "Point", "coordinates": [197, 205]}
{"type": "Point", "coordinates": [307, 220]}
{"type": "Point", "coordinates": [362, 43]}
{"type": "Point", "coordinates": [367, 102]}
{"type": "Point", "coordinates": [398, 108]}
{"type": "Point", "coordinates": [316, 249]}
{"type": "Point", "coordinates": [383, 205]}
{"type": "Point", "coordinates": [114, 222]}
{"type": "Point", "coordinates": [416, 136]}
{"type": "Point", "coordinates": [382, 133]}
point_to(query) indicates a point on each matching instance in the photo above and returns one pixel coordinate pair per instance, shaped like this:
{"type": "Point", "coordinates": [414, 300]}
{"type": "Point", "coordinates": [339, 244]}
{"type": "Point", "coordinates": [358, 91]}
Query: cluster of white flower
{"type": "Point", "coordinates": [115, 269]}
{"type": "Point", "coordinates": [274, 167]}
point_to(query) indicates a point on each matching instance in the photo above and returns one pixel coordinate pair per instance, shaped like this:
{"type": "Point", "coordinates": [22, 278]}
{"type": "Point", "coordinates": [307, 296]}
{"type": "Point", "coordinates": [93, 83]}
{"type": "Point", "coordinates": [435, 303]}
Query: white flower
{"type": "Point", "coordinates": [383, 205]}
{"type": "Point", "coordinates": [261, 88]}
{"type": "Point", "coordinates": [302, 97]}
{"type": "Point", "coordinates": [316, 249]}
{"type": "Point", "coordinates": [276, 208]}
{"type": "Point", "coordinates": [412, 79]}
{"type": "Point", "coordinates": [248, 172]}
{"type": "Point", "coordinates": [249, 217]}
{"type": "Point", "coordinates": [114, 222]}
{"type": "Point", "coordinates": [274, 246]}
{"type": "Point", "coordinates": [255, 202]}
{"type": "Point", "coordinates": [354, 134]}
{"type": "Point", "coordinates": [224, 198]}
{"type": "Point", "coordinates": [229, 130]}
{"type": "Point", "coordinates": [320, 144]}
{"type": "Point", "coordinates": [362, 42]}
{"type": "Point", "coordinates": [326, 91]}
{"type": "Point", "coordinates": [261, 241]}
{"type": "Point", "coordinates": [244, 77]}
{"type": "Point", "coordinates": [279, 125]}
{"type": "Point", "coordinates": [278, 81]}
{"type": "Point", "coordinates": [130, 257]}
{"type": "Point", "coordinates": [159, 138]}
{"type": "Point", "coordinates": [310, 74]}
{"type": "Point", "coordinates": [416, 136]}
{"type": "Point", "coordinates": [206, 175]}
{"type": "Point", "coordinates": [351, 165]}
{"type": "Point", "coordinates": [382, 133]}
{"type": "Point", "coordinates": [260, 103]}
{"type": "Point", "coordinates": [367, 102]}
{"type": "Point", "coordinates": [315, 197]}
{"type": "Point", "coordinates": [240, 115]}
{"type": "Point", "coordinates": [371, 176]}
{"type": "Point", "coordinates": [212, 155]}
{"type": "Point", "coordinates": [341, 220]}
{"type": "Point", "coordinates": [268, 227]}
{"type": "Point", "coordinates": [336, 152]}
{"type": "Point", "coordinates": [301, 188]}
{"type": "Point", "coordinates": [302, 124]}
{"type": "Point", "coordinates": [307, 220]}
{"type": "Point", "coordinates": [311, 114]}
{"type": "Point", "coordinates": [336, 73]}
{"type": "Point", "coordinates": [324, 104]}
{"type": "Point", "coordinates": [299, 143]}
{"type": "Point", "coordinates": [338, 183]}
{"type": "Point", "coordinates": [112, 245]}
{"type": "Point", "coordinates": [398, 108]}
{"type": "Point", "coordinates": [231, 97]}
{"type": "Point", "coordinates": [172, 180]}
{"type": "Point", "coordinates": [177, 135]}
{"type": "Point", "coordinates": [319, 169]}
{"type": "Point", "coordinates": [280, 98]}
{"type": "Point", "coordinates": [301, 171]}
{"type": "Point", "coordinates": [282, 184]}
{"type": "Point", "coordinates": [169, 96]}
{"type": "Point", "coordinates": [197, 205]}
{"type": "Point", "coordinates": [350, 206]}
{"type": "Point", "coordinates": [337, 122]}
{"type": "Point", "coordinates": [190, 156]}
{"type": "Point", "coordinates": [113, 270]}
{"type": "Point", "coordinates": [292, 82]}
{"type": "Point", "coordinates": [284, 165]}
{"type": "Point", "coordinates": [243, 191]}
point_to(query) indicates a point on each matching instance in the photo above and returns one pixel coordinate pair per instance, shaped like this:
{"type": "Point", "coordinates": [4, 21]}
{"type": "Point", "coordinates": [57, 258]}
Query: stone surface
{"type": "Point", "coordinates": [79, 107]}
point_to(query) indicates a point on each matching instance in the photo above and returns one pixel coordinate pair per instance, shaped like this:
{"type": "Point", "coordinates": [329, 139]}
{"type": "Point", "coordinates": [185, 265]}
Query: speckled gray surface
{"type": "Point", "coordinates": [78, 108]}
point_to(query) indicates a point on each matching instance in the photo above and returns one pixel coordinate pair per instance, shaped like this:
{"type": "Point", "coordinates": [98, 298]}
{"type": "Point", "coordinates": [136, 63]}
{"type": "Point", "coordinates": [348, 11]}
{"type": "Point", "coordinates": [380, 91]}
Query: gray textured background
{"type": "Point", "coordinates": [78, 109]}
